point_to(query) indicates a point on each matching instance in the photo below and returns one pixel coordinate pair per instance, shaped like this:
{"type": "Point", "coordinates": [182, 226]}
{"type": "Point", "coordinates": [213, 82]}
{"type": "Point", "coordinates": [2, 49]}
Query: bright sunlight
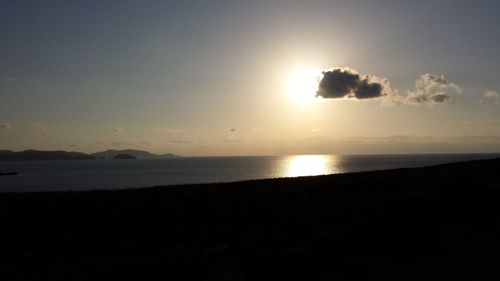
{"type": "Point", "coordinates": [308, 165]}
{"type": "Point", "coordinates": [301, 85]}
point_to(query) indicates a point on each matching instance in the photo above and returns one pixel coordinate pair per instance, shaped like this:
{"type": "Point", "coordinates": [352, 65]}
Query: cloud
{"type": "Point", "coordinates": [429, 88]}
{"type": "Point", "coordinates": [117, 130]}
{"type": "Point", "coordinates": [167, 130]}
{"type": "Point", "coordinates": [229, 140]}
{"type": "Point", "coordinates": [347, 83]}
{"type": "Point", "coordinates": [490, 96]}
{"type": "Point", "coordinates": [180, 141]}
{"type": "Point", "coordinates": [232, 130]}
{"type": "Point", "coordinates": [40, 127]}
{"type": "Point", "coordinates": [418, 96]}
{"type": "Point", "coordinates": [123, 143]}
{"type": "Point", "coordinates": [10, 79]}
{"type": "Point", "coordinates": [5, 126]}
{"type": "Point", "coordinates": [118, 143]}
{"type": "Point", "coordinates": [431, 81]}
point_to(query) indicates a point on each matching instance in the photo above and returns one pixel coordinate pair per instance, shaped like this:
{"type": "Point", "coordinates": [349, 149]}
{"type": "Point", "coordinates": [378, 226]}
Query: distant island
{"type": "Point", "coordinates": [123, 156]}
{"type": "Point", "coordinates": [38, 155]}
{"type": "Point", "coordinates": [138, 154]}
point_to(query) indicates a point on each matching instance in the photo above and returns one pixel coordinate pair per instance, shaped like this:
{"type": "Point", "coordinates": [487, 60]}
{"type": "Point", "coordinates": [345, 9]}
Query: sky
{"type": "Point", "coordinates": [207, 78]}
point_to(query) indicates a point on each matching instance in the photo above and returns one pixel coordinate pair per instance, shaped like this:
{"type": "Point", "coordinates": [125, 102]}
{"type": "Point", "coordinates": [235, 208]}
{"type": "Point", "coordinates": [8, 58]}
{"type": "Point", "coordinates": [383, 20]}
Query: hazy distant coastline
{"type": "Point", "coordinates": [137, 154]}
{"type": "Point", "coordinates": [39, 155]}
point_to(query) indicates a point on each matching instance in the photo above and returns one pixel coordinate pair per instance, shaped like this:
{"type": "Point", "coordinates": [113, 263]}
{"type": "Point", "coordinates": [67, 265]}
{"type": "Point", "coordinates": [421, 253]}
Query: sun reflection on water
{"type": "Point", "coordinates": [310, 165]}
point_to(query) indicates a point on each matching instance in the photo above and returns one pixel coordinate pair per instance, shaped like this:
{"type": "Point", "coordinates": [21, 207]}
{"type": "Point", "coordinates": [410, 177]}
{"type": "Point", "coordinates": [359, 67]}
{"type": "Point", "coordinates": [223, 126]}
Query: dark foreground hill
{"type": "Point", "coordinates": [435, 223]}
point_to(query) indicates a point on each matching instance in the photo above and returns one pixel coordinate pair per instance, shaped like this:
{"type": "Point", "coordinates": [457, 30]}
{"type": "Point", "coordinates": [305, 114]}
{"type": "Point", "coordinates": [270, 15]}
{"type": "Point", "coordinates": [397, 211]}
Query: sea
{"type": "Point", "coordinates": [34, 176]}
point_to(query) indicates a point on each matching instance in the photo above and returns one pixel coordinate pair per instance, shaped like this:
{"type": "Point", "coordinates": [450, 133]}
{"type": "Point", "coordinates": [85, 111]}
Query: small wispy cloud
{"type": "Point", "coordinates": [429, 88]}
{"type": "Point", "coordinates": [120, 143]}
{"type": "Point", "coordinates": [123, 143]}
{"type": "Point", "coordinates": [490, 97]}
{"type": "Point", "coordinates": [230, 140]}
{"type": "Point", "coordinates": [166, 130]}
{"type": "Point", "coordinates": [5, 126]}
{"type": "Point", "coordinates": [180, 141]}
{"type": "Point", "coordinates": [491, 94]}
{"type": "Point", "coordinates": [117, 130]}
{"type": "Point", "coordinates": [40, 128]}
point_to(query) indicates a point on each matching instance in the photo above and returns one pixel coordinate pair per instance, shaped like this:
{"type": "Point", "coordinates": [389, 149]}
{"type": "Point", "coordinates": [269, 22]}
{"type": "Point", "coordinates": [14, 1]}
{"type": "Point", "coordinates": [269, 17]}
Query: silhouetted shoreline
{"type": "Point", "coordinates": [60, 155]}
{"type": "Point", "coordinates": [431, 223]}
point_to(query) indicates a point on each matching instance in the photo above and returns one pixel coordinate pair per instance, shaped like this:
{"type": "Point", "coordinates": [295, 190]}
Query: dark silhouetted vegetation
{"type": "Point", "coordinates": [433, 223]}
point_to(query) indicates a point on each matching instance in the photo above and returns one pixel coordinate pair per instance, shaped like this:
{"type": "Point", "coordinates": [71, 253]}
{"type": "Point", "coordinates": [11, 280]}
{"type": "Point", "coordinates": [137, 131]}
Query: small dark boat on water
{"type": "Point", "coordinates": [8, 174]}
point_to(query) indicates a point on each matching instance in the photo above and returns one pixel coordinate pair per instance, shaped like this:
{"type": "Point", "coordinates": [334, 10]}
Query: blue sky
{"type": "Point", "coordinates": [177, 76]}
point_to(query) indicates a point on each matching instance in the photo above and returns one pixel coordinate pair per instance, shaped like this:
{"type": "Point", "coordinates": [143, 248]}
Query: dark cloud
{"type": "Point", "coordinates": [367, 90]}
{"type": "Point", "coordinates": [346, 83]}
{"type": "Point", "coordinates": [5, 126]}
{"type": "Point", "coordinates": [439, 97]}
{"type": "Point", "coordinates": [232, 130]}
{"type": "Point", "coordinates": [337, 83]}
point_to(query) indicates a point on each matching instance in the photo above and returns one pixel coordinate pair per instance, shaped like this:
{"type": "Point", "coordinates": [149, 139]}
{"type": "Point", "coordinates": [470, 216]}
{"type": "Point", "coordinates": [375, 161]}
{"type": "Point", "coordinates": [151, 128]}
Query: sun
{"type": "Point", "coordinates": [301, 85]}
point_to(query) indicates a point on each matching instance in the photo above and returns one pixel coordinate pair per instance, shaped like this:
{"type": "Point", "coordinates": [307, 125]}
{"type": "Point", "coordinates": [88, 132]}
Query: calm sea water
{"type": "Point", "coordinates": [114, 174]}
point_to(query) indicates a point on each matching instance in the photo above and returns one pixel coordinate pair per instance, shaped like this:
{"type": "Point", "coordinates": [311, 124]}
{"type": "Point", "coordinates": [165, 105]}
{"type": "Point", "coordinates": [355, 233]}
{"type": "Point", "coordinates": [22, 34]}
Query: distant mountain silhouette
{"type": "Point", "coordinates": [139, 154]}
{"type": "Point", "coordinates": [37, 155]}
{"type": "Point", "coordinates": [123, 156]}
